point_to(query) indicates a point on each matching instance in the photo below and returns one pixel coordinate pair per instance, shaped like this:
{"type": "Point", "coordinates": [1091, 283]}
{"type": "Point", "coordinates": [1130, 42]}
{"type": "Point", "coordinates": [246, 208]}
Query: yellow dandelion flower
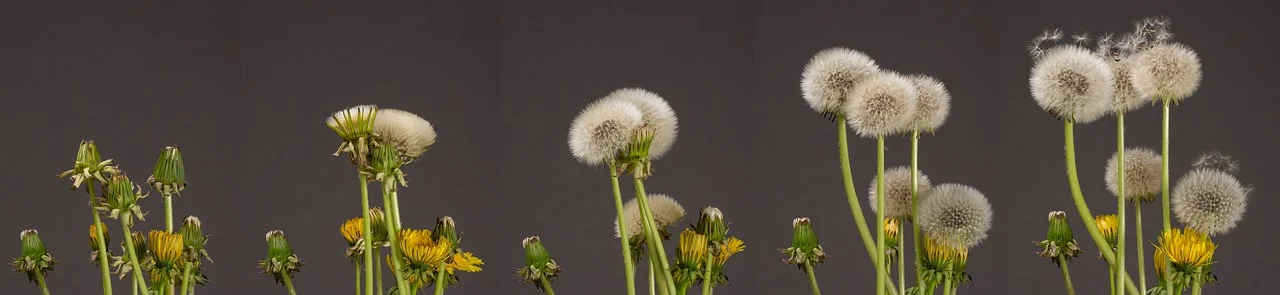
{"type": "Point", "coordinates": [465, 261]}
{"type": "Point", "coordinates": [692, 248]}
{"type": "Point", "coordinates": [892, 233]}
{"type": "Point", "coordinates": [93, 236]}
{"type": "Point", "coordinates": [1109, 227]}
{"type": "Point", "coordinates": [420, 250]}
{"type": "Point", "coordinates": [165, 247]}
{"type": "Point", "coordinates": [1185, 249]}
{"type": "Point", "coordinates": [353, 230]}
{"type": "Point", "coordinates": [939, 257]}
{"type": "Point", "coordinates": [731, 245]}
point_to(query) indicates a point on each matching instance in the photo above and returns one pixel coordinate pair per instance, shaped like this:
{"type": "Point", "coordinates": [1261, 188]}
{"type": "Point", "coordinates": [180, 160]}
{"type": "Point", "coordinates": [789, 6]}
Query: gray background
{"type": "Point", "coordinates": [244, 87]}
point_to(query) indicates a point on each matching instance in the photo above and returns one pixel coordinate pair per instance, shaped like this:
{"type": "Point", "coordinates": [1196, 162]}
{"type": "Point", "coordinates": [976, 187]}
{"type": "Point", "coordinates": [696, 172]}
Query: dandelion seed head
{"type": "Point", "coordinates": [1167, 71]}
{"type": "Point", "coordinates": [831, 75]}
{"type": "Point", "coordinates": [602, 129]}
{"type": "Point", "coordinates": [1125, 97]}
{"type": "Point", "coordinates": [1141, 174]}
{"type": "Point", "coordinates": [666, 212]}
{"type": "Point", "coordinates": [897, 192]}
{"type": "Point", "coordinates": [957, 216]}
{"type": "Point", "coordinates": [933, 103]}
{"type": "Point", "coordinates": [1072, 83]}
{"type": "Point", "coordinates": [656, 114]}
{"type": "Point", "coordinates": [881, 105]}
{"type": "Point", "coordinates": [1210, 201]}
{"type": "Point", "coordinates": [407, 132]}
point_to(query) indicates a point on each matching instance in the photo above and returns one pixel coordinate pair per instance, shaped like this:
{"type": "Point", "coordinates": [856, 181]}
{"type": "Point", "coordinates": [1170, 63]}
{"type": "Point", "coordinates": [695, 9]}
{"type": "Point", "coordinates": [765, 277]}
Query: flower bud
{"type": "Point", "coordinates": [88, 165]}
{"type": "Point", "coordinates": [32, 246]}
{"type": "Point", "coordinates": [93, 236]}
{"type": "Point", "coordinates": [1109, 227]}
{"type": "Point", "coordinates": [35, 260]}
{"type": "Point", "coordinates": [280, 262]}
{"type": "Point", "coordinates": [538, 264]}
{"type": "Point", "coordinates": [804, 245]}
{"type": "Point", "coordinates": [711, 224]}
{"type": "Point", "coordinates": [378, 225]}
{"type": "Point", "coordinates": [1059, 242]}
{"type": "Point", "coordinates": [193, 239]}
{"type": "Point", "coordinates": [170, 176]}
{"type": "Point", "coordinates": [166, 248]}
{"type": "Point", "coordinates": [445, 229]}
{"type": "Point", "coordinates": [122, 198]}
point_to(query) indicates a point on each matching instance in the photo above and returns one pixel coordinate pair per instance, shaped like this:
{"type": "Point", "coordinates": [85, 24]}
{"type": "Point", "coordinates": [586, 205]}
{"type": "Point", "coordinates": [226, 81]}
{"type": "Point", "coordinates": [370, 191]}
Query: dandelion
{"type": "Point", "coordinates": [691, 256]}
{"type": "Point", "coordinates": [1186, 256]}
{"type": "Point", "coordinates": [666, 211]}
{"type": "Point", "coordinates": [956, 216]}
{"type": "Point", "coordinates": [943, 263]}
{"type": "Point", "coordinates": [882, 104]}
{"type": "Point", "coordinates": [933, 103]}
{"type": "Point", "coordinates": [1072, 83]}
{"type": "Point", "coordinates": [1216, 160]}
{"type": "Point", "coordinates": [355, 126]}
{"type": "Point", "coordinates": [539, 270]}
{"type": "Point", "coordinates": [35, 262]}
{"type": "Point", "coordinates": [1125, 97]}
{"type": "Point", "coordinates": [656, 114]}
{"type": "Point", "coordinates": [1209, 201]}
{"type": "Point", "coordinates": [407, 132]}
{"type": "Point", "coordinates": [1167, 71]}
{"type": "Point", "coordinates": [1141, 177]}
{"type": "Point", "coordinates": [602, 130]}
{"type": "Point", "coordinates": [897, 192]}
{"type": "Point", "coordinates": [281, 263]}
{"type": "Point", "coordinates": [831, 75]}
{"type": "Point", "coordinates": [1109, 227]}
{"type": "Point", "coordinates": [1060, 243]}
{"type": "Point", "coordinates": [94, 240]}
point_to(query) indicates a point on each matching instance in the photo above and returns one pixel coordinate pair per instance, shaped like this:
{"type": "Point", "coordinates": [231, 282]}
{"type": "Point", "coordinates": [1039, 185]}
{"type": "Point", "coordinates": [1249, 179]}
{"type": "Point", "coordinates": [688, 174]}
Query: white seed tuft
{"type": "Point", "coordinates": [933, 103]}
{"type": "Point", "coordinates": [897, 192]}
{"type": "Point", "coordinates": [1072, 83]}
{"type": "Point", "coordinates": [1125, 97]}
{"type": "Point", "coordinates": [831, 75]}
{"type": "Point", "coordinates": [1141, 174]}
{"type": "Point", "coordinates": [881, 105]}
{"type": "Point", "coordinates": [602, 129]}
{"type": "Point", "coordinates": [656, 114]}
{"type": "Point", "coordinates": [1210, 201]}
{"type": "Point", "coordinates": [957, 216]}
{"type": "Point", "coordinates": [666, 211]}
{"type": "Point", "coordinates": [409, 133]}
{"type": "Point", "coordinates": [1167, 71]}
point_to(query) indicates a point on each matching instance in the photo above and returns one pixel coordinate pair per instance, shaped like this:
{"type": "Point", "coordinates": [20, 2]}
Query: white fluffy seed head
{"type": "Point", "coordinates": [1141, 174]}
{"type": "Point", "coordinates": [957, 216]}
{"type": "Point", "coordinates": [933, 103]}
{"type": "Point", "coordinates": [897, 192]}
{"type": "Point", "coordinates": [666, 211]}
{"type": "Point", "coordinates": [409, 133]}
{"type": "Point", "coordinates": [602, 129]}
{"type": "Point", "coordinates": [830, 75]}
{"type": "Point", "coordinates": [1166, 71]}
{"type": "Point", "coordinates": [1125, 97]}
{"type": "Point", "coordinates": [881, 105]}
{"type": "Point", "coordinates": [1072, 83]}
{"type": "Point", "coordinates": [1210, 201]}
{"type": "Point", "coordinates": [656, 114]}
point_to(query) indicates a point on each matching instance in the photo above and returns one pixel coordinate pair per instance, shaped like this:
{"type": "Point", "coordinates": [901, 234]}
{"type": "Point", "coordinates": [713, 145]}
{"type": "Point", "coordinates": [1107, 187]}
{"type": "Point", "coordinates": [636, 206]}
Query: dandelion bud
{"type": "Point", "coordinates": [122, 198]}
{"type": "Point", "coordinates": [1109, 227]}
{"type": "Point", "coordinates": [353, 231]}
{"type": "Point", "coordinates": [711, 224]}
{"type": "Point", "coordinates": [170, 176]}
{"type": "Point", "coordinates": [281, 261]}
{"type": "Point", "coordinates": [139, 244]}
{"type": "Point", "coordinates": [88, 165]}
{"type": "Point", "coordinates": [87, 155]}
{"type": "Point", "coordinates": [385, 166]}
{"type": "Point", "coordinates": [804, 244]}
{"type": "Point", "coordinates": [93, 236]}
{"type": "Point", "coordinates": [538, 264]}
{"type": "Point", "coordinates": [166, 248]}
{"type": "Point", "coordinates": [446, 230]}
{"type": "Point", "coordinates": [1059, 242]}
{"type": "Point", "coordinates": [35, 259]}
{"type": "Point", "coordinates": [892, 234]}
{"type": "Point", "coordinates": [378, 224]}
{"type": "Point", "coordinates": [193, 239]}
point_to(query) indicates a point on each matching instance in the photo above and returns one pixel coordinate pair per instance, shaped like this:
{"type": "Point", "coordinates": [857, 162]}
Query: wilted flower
{"type": "Point", "coordinates": [123, 265]}
{"type": "Point", "coordinates": [539, 268]}
{"type": "Point", "coordinates": [378, 223]}
{"type": "Point", "coordinates": [1210, 201]}
{"type": "Point", "coordinates": [170, 176]}
{"type": "Point", "coordinates": [353, 231]}
{"type": "Point", "coordinates": [603, 130]}
{"type": "Point", "coordinates": [933, 103]}
{"type": "Point", "coordinates": [93, 241]}
{"type": "Point", "coordinates": [88, 165]}
{"type": "Point", "coordinates": [122, 199]}
{"type": "Point", "coordinates": [1166, 71]}
{"type": "Point", "coordinates": [408, 133]}
{"type": "Point", "coordinates": [720, 255]}
{"type": "Point", "coordinates": [35, 260]}
{"type": "Point", "coordinates": [656, 115]}
{"type": "Point", "coordinates": [882, 104]}
{"type": "Point", "coordinates": [280, 262]}
{"type": "Point", "coordinates": [956, 216]}
{"type": "Point", "coordinates": [831, 75]}
{"type": "Point", "coordinates": [1060, 242]}
{"type": "Point", "coordinates": [1072, 83]}
{"type": "Point", "coordinates": [804, 245]}
{"type": "Point", "coordinates": [1141, 177]}
{"type": "Point", "coordinates": [666, 211]}
{"type": "Point", "coordinates": [897, 192]}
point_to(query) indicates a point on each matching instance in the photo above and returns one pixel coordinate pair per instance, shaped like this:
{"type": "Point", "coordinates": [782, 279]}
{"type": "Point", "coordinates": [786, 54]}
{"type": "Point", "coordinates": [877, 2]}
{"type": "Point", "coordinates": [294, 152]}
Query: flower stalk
{"type": "Point", "coordinates": [1082, 208]}
{"type": "Point", "coordinates": [851, 193]}
{"type": "Point", "coordinates": [1121, 272]}
{"type": "Point", "coordinates": [628, 266]}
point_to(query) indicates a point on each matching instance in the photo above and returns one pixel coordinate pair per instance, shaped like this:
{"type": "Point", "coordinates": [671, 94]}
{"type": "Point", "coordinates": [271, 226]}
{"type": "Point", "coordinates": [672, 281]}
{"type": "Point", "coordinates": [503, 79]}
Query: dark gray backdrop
{"type": "Point", "coordinates": [244, 88]}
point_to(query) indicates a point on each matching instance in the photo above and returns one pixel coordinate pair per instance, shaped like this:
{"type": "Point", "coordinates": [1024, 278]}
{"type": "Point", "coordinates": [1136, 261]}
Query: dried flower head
{"type": "Point", "coordinates": [35, 260]}
{"type": "Point", "coordinates": [1109, 228]}
{"type": "Point", "coordinates": [656, 114]}
{"type": "Point", "coordinates": [881, 105]}
{"type": "Point", "coordinates": [1215, 159]}
{"type": "Point", "coordinates": [829, 77]}
{"type": "Point", "coordinates": [1072, 83]}
{"type": "Point", "coordinates": [897, 192]}
{"type": "Point", "coordinates": [88, 165]}
{"type": "Point", "coordinates": [602, 130]}
{"type": "Point", "coordinates": [1209, 201]}
{"type": "Point", "coordinates": [933, 103]}
{"type": "Point", "coordinates": [957, 216]}
{"type": "Point", "coordinates": [666, 211]}
{"type": "Point", "coordinates": [1166, 71]}
{"type": "Point", "coordinates": [407, 132]}
{"type": "Point", "coordinates": [1125, 97]}
{"type": "Point", "coordinates": [1141, 174]}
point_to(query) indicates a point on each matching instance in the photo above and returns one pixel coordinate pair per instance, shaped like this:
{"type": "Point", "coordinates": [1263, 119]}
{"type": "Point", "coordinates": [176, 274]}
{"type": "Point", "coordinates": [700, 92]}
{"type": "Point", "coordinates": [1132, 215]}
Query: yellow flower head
{"type": "Point", "coordinates": [166, 247]}
{"type": "Point", "coordinates": [353, 230]}
{"type": "Point", "coordinates": [421, 251]}
{"type": "Point", "coordinates": [731, 245]}
{"type": "Point", "coordinates": [93, 236]}
{"type": "Point", "coordinates": [1109, 227]}
{"type": "Point", "coordinates": [465, 261]}
{"type": "Point", "coordinates": [891, 232]}
{"type": "Point", "coordinates": [938, 256]}
{"type": "Point", "coordinates": [692, 248]}
{"type": "Point", "coordinates": [1185, 249]}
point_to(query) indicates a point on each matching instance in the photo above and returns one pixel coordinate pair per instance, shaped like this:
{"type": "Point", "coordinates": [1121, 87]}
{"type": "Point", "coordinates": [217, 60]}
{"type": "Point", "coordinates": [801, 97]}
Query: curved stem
{"type": "Point", "coordinates": [852, 194]}
{"type": "Point", "coordinates": [368, 237]}
{"type": "Point", "coordinates": [1121, 272]}
{"type": "Point", "coordinates": [440, 275]}
{"type": "Point", "coordinates": [102, 243]}
{"type": "Point", "coordinates": [1138, 245]}
{"type": "Point", "coordinates": [813, 281]}
{"type": "Point", "coordinates": [655, 241]}
{"type": "Point", "coordinates": [288, 284]}
{"type": "Point", "coordinates": [389, 196]}
{"type": "Point", "coordinates": [915, 207]}
{"type": "Point", "coordinates": [546, 285]}
{"type": "Point", "coordinates": [707, 280]}
{"type": "Point", "coordinates": [628, 266]}
{"type": "Point", "coordinates": [40, 282]}
{"type": "Point", "coordinates": [1066, 275]}
{"type": "Point", "coordinates": [881, 271]}
{"type": "Point", "coordinates": [133, 255]}
{"type": "Point", "coordinates": [1164, 166]}
{"type": "Point", "coordinates": [1082, 208]}
{"type": "Point", "coordinates": [186, 278]}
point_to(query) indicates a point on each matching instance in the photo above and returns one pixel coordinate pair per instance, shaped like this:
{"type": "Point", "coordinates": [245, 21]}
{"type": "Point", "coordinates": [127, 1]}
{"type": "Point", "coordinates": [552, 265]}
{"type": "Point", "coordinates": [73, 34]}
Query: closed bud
{"type": "Point", "coordinates": [378, 223]}
{"type": "Point", "coordinates": [32, 246]}
{"type": "Point", "coordinates": [122, 198]}
{"type": "Point", "coordinates": [280, 262]}
{"type": "Point", "coordinates": [35, 260]}
{"type": "Point", "coordinates": [1059, 244]}
{"type": "Point", "coordinates": [538, 264]}
{"type": "Point", "coordinates": [711, 224]}
{"type": "Point", "coordinates": [445, 229]}
{"type": "Point", "coordinates": [93, 236]}
{"type": "Point", "coordinates": [277, 247]}
{"type": "Point", "coordinates": [87, 155]}
{"type": "Point", "coordinates": [804, 245]}
{"type": "Point", "coordinates": [193, 239]}
{"type": "Point", "coordinates": [139, 244]}
{"type": "Point", "coordinates": [534, 253]}
{"type": "Point", "coordinates": [170, 176]}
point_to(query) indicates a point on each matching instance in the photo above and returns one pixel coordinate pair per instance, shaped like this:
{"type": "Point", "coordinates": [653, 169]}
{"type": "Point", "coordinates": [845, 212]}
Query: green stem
{"type": "Point", "coordinates": [915, 207]}
{"type": "Point", "coordinates": [135, 284]}
{"type": "Point", "coordinates": [660, 281]}
{"type": "Point", "coordinates": [1121, 271]}
{"type": "Point", "coordinates": [628, 266]}
{"type": "Point", "coordinates": [40, 282]}
{"type": "Point", "coordinates": [1164, 166]}
{"type": "Point", "coordinates": [655, 241]}
{"type": "Point", "coordinates": [852, 194]}
{"type": "Point", "coordinates": [358, 272]}
{"type": "Point", "coordinates": [707, 281]}
{"type": "Point", "coordinates": [881, 271]}
{"type": "Point", "coordinates": [1111, 273]}
{"type": "Point", "coordinates": [377, 269]}
{"type": "Point", "coordinates": [1138, 245]}
{"type": "Point", "coordinates": [653, 286]}
{"type": "Point", "coordinates": [813, 281]}
{"type": "Point", "coordinates": [1086, 217]}
{"type": "Point", "coordinates": [546, 285]}
{"type": "Point", "coordinates": [288, 284]}
{"type": "Point", "coordinates": [1066, 275]}
{"type": "Point", "coordinates": [186, 278]}
{"type": "Point", "coordinates": [368, 237]}
{"type": "Point", "coordinates": [902, 262]}
{"type": "Point", "coordinates": [168, 212]}
{"type": "Point", "coordinates": [1195, 284]}
{"type": "Point", "coordinates": [440, 276]}
{"type": "Point", "coordinates": [102, 243]}
{"type": "Point", "coordinates": [133, 255]}
{"type": "Point", "coordinates": [389, 197]}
